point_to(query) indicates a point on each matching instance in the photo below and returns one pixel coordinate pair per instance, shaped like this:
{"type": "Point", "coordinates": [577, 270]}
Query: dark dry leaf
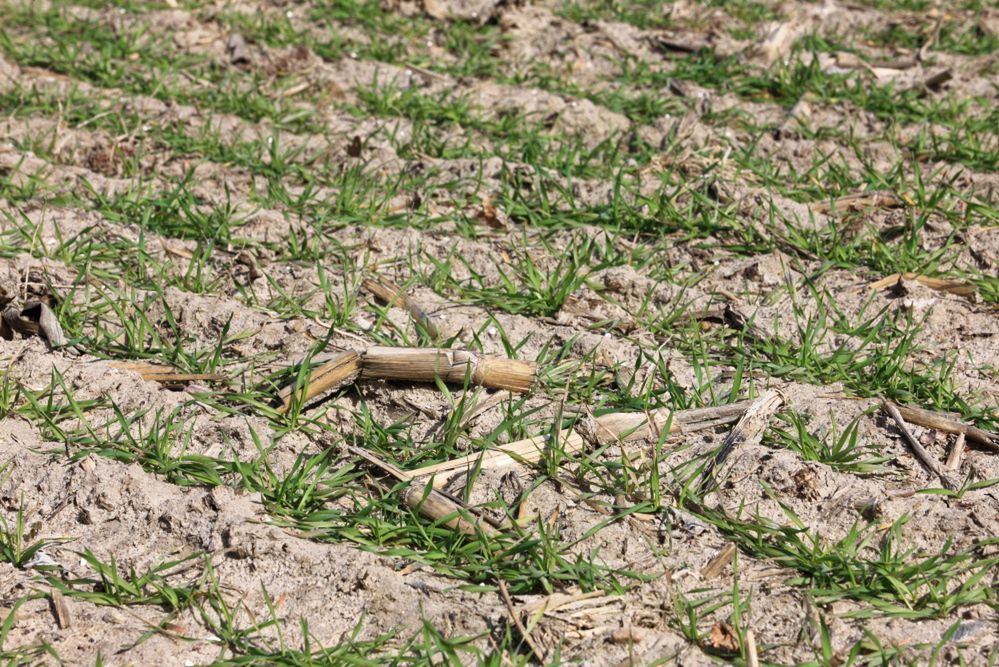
{"type": "Point", "coordinates": [354, 147]}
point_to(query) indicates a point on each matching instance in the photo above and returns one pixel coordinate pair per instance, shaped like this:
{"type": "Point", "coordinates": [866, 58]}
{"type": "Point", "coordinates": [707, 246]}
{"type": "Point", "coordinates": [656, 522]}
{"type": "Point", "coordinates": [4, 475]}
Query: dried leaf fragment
{"type": "Point", "coordinates": [723, 637]}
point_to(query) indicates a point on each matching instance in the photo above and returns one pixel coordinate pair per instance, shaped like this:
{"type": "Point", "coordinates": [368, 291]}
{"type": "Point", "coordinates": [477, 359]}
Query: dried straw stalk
{"type": "Point", "coordinates": [529, 450]}
{"type": "Point", "coordinates": [341, 369]}
{"type": "Point", "coordinates": [930, 463]}
{"type": "Point", "coordinates": [935, 420]}
{"type": "Point", "coordinates": [393, 295]}
{"type": "Point", "coordinates": [431, 503]}
{"type": "Point", "coordinates": [164, 374]}
{"type": "Point", "coordinates": [958, 287]}
{"type": "Point", "coordinates": [615, 427]}
{"type": "Point", "coordinates": [453, 366]}
{"type": "Point", "coordinates": [633, 426]}
{"type": "Point", "coordinates": [859, 201]}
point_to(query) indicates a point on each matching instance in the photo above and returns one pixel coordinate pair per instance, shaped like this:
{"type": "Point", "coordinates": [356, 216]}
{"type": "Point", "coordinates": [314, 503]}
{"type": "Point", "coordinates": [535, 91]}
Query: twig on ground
{"type": "Point", "coordinates": [921, 454]}
{"type": "Point", "coordinates": [60, 609]}
{"type": "Point", "coordinates": [940, 422]}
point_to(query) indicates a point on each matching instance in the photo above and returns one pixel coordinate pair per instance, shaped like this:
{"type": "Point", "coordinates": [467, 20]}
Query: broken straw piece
{"type": "Point", "coordinates": [453, 366]}
{"type": "Point", "coordinates": [339, 370]}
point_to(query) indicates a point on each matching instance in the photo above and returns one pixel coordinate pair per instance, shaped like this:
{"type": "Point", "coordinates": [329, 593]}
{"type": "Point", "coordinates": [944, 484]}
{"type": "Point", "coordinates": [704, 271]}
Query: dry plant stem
{"type": "Point", "coordinates": [859, 201]}
{"type": "Point", "coordinates": [749, 428]}
{"type": "Point", "coordinates": [917, 449]}
{"type": "Point", "coordinates": [795, 118]}
{"type": "Point", "coordinates": [341, 369]}
{"type": "Point", "coordinates": [515, 617]}
{"type": "Point", "coordinates": [436, 506]}
{"type": "Point", "coordinates": [937, 421]}
{"type": "Point", "coordinates": [453, 366]}
{"type": "Point", "coordinates": [632, 426]}
{"type": "Point", "coordinates": [393, 295]}
{"type": "Point", "coordinates": [752, 660]}
{"type": "Point", "coordinates": [954, 458]}
{"type": "Point", "coordinates": [529, 450]}
{"type": "Point", "coordinates": [429, 502]}
{"type": "Point", "coordinates": [164, 374]}
{"type": "Point", "coordinates": [718, 563]}
{"type": "Point", "coordinates": [957, 287]}
{"type": "Point", "coordinates": [554, 602]}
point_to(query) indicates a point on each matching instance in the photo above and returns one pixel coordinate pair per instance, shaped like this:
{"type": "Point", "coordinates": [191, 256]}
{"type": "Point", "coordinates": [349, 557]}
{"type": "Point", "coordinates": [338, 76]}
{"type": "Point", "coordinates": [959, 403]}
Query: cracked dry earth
{"type": "Point", "coordinates": [639, 197]}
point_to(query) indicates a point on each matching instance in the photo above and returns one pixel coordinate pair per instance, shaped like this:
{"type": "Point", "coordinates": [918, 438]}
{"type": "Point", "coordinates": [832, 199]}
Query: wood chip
{"type": "Point", "coordinates": [435, 9]}
{"type": "Point", "coordinates": [60, 609]}
{"type": "Point", "coordinates": [717, 564]}
{"type": "Point", "coordinates": [954, 458]}
{"type": "Point", "coordinates": [238, 51]}
{"type": "Point", "coordinates": [629, 634]}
